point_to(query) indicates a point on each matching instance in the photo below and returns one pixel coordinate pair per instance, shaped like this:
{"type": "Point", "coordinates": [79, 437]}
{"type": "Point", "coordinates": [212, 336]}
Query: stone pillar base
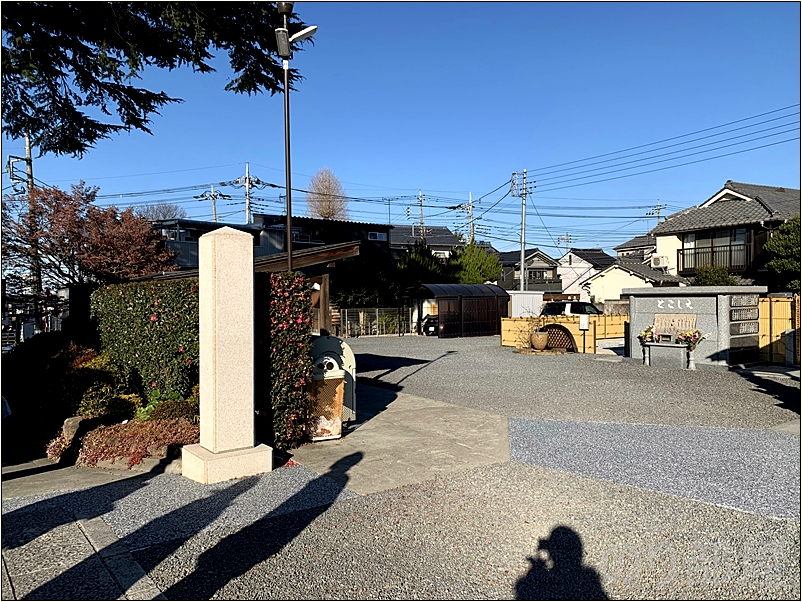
{"type": "Point", "coordinates": [203, 466]}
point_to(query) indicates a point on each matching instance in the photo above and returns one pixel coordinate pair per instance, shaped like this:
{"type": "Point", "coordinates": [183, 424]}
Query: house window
{"type": "Point", "coordinates": [377, 236]}
{"type": "Point", "coordinates": [726, 248]}
{"type": "Point", "coordinates": [536, 274]}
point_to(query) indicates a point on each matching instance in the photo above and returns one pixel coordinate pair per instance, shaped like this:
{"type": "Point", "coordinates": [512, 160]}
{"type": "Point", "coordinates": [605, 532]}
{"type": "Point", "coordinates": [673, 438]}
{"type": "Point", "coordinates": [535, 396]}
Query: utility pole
{"type": "Point", "coordinates": [32, 226]}
{"type": "Point", "coordinates": [247, 195]}
{"type": "Point", "coordinates": [212, 196]}
{"type": "Point", "coordinates": [567, 239]}
{"type": "Point", "coordinates": [656, 211]}
{"type": "Point", "coordinates": [420, 208]}
{"type": "Point", "coordinates": [470, 218]}
{"type": "Point", "coordinates": [248, 182]}
{"type": "Point", "coordinates": [520, 189]}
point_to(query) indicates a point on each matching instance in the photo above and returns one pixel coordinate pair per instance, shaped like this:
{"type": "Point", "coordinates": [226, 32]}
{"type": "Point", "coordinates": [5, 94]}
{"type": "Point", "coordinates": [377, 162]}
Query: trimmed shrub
{"type": "Point", "coordinates": [713, 275]}
{"type": "Point", "coordinates": [150, 330]}
{"type": "Point", "coordinates": [283, 346]}
{"type": "Point", "coordinates": [103, 400]}
{"type": "Point", "coordinates": [135, 440]}
{"type": "Point", "coordinates": [179, 408]}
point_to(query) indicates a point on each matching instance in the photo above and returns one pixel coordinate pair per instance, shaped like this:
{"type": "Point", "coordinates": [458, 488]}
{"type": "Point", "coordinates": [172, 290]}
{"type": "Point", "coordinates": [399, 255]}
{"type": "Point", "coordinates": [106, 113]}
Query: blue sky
{"type": "Point", "coordinates": [451, 98]}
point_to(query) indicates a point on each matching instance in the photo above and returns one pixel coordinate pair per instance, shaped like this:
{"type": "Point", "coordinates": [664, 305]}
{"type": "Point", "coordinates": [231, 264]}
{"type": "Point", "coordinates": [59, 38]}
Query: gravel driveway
{"type": "Point", "coordinates": [621, 482]}
{"type": "Point", "coordinates": [479, 373]}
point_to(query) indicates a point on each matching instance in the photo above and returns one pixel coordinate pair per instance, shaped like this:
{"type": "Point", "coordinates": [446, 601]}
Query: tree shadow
{"type": "Point", "coordinates": [23, 525]}
{"type": "Point", "coordinates": [560, 575]}
{"type": "Point", "coordinates": [159, 538]}
{"type": "Point", "coordinates": [787, 395]}
{"type": "Point", "coordinates": [239, 552]}
{"type": "Point", "coordinates": [370, 362]}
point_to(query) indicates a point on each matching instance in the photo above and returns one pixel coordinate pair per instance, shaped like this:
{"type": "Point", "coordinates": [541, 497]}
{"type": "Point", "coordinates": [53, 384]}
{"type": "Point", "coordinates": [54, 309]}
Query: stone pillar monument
{"type": "Point", "coordinates": [227, 448]}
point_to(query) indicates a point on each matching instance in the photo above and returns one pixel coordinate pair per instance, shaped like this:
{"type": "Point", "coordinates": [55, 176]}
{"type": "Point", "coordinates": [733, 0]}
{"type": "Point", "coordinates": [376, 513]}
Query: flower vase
{"type": "Point", "coordinates": [691, 360]}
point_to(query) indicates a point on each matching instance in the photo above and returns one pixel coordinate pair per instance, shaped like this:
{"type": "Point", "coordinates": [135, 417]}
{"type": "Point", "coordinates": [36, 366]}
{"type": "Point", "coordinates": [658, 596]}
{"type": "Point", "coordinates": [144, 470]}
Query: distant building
{"type": "Point", "coordinates": [640, 248]}
{"type": "Point", "coordinates": [577, 266]}
{"type": "Point", "coordinates": [540, 271]}
{"type": "Point", "coordinates": [729, 229]}
{"type": "Point", "coordinates": [439, 238]}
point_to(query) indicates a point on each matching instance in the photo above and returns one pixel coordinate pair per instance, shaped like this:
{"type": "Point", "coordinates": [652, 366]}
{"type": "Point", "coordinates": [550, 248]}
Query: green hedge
{"type": "Point", "coordinates": [283, 346]}
{"type": "Point", "coordinates": [150, 329]}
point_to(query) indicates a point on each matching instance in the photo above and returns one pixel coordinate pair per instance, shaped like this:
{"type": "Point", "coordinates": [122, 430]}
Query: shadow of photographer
{"type": "Point", "coordinates": [557, 571]}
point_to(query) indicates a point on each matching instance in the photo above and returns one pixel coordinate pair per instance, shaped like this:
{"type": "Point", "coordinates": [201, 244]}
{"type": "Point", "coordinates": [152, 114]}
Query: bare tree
{"type": "Point", "coordinates": [161, 211]}
{"type": "Point", "coordinates": [326, 197]}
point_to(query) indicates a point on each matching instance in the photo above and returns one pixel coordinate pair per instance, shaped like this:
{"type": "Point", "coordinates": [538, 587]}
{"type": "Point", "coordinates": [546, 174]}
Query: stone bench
{"type": "Point", "coordinates": [668, 355]}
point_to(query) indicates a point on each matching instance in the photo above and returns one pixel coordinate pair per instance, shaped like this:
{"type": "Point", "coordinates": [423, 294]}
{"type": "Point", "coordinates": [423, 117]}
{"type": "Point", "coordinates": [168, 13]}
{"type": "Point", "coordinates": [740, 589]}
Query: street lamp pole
{"type": "Point", "coordinates": [283, 43]}
{"type": "Point", "coordinates": [285, 8]}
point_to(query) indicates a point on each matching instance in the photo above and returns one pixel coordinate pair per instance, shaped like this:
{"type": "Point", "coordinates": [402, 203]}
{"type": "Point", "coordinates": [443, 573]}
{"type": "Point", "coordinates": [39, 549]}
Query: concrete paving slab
{"type": "Point", "coordinates": [67, 478]}
{"type": "Point", "coordinates": [412, 440]}
{"type": "Point", "coordinates": [58, 549]}
{"type": "Point", "coordinates": [789, 427]}
{"type": "Point", "coordinates": [88, 581]}
{"type": "Point", "coordinates": [6, 590]}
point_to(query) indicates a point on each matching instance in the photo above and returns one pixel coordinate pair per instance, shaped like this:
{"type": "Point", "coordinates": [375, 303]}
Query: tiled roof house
{"type": "Point", "coordinates": [640, 248]}
{"type": "Point", "coordinates": [577, 265]}
{"type": "Point", "coordinates": [541, 271]}
{"type": "Point", "coordinates": [729, 229]}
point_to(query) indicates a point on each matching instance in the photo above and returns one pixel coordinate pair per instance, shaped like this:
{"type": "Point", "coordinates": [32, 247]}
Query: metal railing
{"type": "Point", "coordinates": [732, 257]}
{"type": "Point", "coordinates": [375, 321]}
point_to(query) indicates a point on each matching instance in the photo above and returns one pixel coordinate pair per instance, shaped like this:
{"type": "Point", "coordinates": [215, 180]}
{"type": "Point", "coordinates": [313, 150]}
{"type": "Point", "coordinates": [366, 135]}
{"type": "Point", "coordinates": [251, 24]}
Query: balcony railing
{"type": "Point", "coordinates": [733, 257]}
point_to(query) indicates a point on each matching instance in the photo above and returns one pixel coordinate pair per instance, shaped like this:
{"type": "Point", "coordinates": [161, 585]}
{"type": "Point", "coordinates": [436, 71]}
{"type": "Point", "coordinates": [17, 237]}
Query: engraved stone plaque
{"type": "Point", "coordinates": [674, 323]}
{"type": "Point", "coordinates": [743, 300]}
{"type": "Point", "coordinates": [740, 315]}
{"type": "Point", "coordinates": [745, 328]}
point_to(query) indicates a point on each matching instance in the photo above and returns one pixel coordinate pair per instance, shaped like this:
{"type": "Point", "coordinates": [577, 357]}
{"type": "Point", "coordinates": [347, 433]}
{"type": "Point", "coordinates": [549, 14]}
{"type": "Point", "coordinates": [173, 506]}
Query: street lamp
{"type": "Point", "coordinates": [284, 42]}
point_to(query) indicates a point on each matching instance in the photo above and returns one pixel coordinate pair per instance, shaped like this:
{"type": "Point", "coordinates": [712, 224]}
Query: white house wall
{"type": "Point", "coordinates": [668, 246]}
{"type": "Point", "coordinates": [574, 275]}
{"type": "Point", "coordinates": [608, 286]}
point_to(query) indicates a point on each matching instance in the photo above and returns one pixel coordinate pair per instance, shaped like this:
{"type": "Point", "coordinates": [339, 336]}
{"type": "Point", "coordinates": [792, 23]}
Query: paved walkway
{"type": "Point", "coordinates": [425, 499]}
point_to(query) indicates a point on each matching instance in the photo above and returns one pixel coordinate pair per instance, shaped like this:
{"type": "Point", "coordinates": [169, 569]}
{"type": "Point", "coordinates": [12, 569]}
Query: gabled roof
{"type": "Point", "coordinates": [637, 243]}
{"type": "Point", "coordinates": [277, 261]}
{"type": "Point", "coordinates": [513, 258]}
{"type": "Point", "coordinates": [641, 270]}
{"type": "Point", "coordinates": [440, 291]}
{"type": "Point", "coordinates": [281, 220]}
{"type": "Point", "coordinates": [736, 204]}
{"type": "Point", "coordinates": [595, 257]}
{"type": "Point", "coordinates": [189, 224]}
{"type": "Point", "coordinates": [403, 236]}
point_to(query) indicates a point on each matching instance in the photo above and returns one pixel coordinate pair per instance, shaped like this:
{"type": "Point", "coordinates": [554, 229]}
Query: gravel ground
{"type": "Point", "coordinates": [561, 521]}
{"type": "Point", "coordinates": [167, 507]}
{"type": "Point", "coordinates": [752, 470]}
{"type": "Point", "coordinates": [470, 535]}
{"type": "Point", "coordinates": [479, 373]}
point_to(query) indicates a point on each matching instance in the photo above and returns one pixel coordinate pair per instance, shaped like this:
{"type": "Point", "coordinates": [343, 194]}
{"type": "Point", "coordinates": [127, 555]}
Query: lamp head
{"type": "Point", "coordinates": [283, 43]}
{"type": "Point", "coordinates": [285, 8]}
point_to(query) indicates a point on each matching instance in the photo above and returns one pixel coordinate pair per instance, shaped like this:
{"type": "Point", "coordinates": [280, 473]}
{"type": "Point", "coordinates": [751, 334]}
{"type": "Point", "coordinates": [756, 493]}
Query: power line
{"type": "Point", "coordinates": [670, 166]}
{"type": "Point", "coordinates": [669, 139]}
{"type": "Point", "coordinates": [641, 164]}
{"type": "Point", "coordinates": [687, 142]}
{"type": "Point", "coordinates": [717, 145]}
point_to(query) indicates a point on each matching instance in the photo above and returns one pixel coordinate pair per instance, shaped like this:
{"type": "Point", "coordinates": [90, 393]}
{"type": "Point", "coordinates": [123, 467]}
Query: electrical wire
{"type": "Point", "coordinates": [641, 164]}
{"type": "Point", "coordinates": [669, 139]}
{"type": "Point", "coordinates": [685, 143]}
{"type": "Point", "coordinates": [668, 167]}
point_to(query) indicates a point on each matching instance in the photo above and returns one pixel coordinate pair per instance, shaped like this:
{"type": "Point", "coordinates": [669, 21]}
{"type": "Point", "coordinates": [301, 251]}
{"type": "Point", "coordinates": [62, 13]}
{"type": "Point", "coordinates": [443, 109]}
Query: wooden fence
{"type": "Point", "coordinates": [564, 331]}
{"type": "Point", "coordinates": [777, 314]}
